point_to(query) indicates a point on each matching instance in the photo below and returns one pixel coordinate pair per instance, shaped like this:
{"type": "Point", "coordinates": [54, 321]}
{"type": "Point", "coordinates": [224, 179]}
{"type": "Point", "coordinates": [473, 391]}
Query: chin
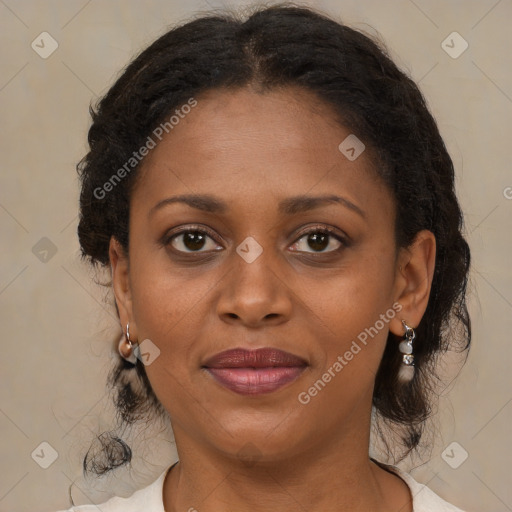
{"type": "Point", "coordinates": [259, 438]}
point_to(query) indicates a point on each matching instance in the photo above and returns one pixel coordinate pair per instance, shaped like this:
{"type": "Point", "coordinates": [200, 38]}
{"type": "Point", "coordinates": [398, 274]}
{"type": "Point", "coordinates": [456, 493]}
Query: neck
{"type": "Point", "coordinates": [322, 478]}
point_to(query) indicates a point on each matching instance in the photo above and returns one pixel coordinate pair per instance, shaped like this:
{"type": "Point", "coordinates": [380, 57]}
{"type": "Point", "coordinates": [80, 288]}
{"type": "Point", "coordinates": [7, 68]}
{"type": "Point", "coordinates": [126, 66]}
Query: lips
{"type": "Point", "coordinates": [260, 358]}
{"type": "Point", "coordinates": [252, 372]}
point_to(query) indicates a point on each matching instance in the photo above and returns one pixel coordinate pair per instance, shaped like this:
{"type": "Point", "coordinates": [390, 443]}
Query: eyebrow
{"type": "Point", "coordinates": [288, 206]}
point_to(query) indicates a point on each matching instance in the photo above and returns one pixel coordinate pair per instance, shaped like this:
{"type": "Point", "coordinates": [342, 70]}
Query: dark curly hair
{"type": "Point", "coordinates": [275, 47]}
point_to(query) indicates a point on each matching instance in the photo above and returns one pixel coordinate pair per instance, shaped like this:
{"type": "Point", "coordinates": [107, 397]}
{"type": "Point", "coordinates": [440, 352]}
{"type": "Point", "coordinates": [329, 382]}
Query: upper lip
{"type": "Point", "coordinates": [256, 358]}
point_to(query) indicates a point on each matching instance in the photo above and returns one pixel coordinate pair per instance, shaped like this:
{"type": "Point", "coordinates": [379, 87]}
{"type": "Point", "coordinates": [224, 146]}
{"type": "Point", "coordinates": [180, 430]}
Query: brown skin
{"type": "Point", "coordinates": [251, 150]}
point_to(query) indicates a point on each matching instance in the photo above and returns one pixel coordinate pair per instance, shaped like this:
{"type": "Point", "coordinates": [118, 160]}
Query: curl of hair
{"type": "Point", "coordinates": [288, 46]}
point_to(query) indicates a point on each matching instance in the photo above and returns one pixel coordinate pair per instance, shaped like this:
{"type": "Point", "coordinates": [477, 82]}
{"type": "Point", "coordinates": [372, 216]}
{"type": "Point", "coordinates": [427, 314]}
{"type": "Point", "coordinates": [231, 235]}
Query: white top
{"type": "Point", "coordinates": [150, 498]}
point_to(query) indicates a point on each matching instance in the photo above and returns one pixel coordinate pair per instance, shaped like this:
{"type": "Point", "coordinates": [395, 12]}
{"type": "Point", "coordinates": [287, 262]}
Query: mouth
{"type": "Point", "coordinates": [254, 372]}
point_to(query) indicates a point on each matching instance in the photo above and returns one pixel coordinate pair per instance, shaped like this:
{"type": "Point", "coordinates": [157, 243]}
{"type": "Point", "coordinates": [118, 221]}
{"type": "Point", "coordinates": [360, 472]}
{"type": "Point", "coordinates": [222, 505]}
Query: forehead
{"type": "Point", "coordinates": [289, 118]}
{"type": "Point", "coordinates": [279, 143]}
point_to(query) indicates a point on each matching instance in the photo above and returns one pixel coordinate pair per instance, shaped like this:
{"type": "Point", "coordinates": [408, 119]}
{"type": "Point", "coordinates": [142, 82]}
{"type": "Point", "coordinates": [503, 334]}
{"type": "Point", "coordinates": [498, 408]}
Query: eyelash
{"type": "Point", "coordinates": [314, 229]}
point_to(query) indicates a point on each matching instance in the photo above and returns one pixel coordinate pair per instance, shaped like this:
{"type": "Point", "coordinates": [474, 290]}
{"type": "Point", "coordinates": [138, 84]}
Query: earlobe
{"type": "Point", "coordinates": [121, 282]}
{"type": "Point", "coordinates": [415, 272]}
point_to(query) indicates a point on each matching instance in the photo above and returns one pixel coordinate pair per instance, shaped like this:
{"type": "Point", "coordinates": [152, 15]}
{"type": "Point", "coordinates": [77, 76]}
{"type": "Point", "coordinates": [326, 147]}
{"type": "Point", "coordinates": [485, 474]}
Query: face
{"type": "Point", "coordinates": [284, 243]}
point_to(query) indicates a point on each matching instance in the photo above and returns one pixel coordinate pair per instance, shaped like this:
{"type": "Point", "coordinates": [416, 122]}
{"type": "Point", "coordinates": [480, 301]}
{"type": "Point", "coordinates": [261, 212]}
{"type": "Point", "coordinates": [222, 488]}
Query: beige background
{"type": "Point", "coordinates": [55, 322]}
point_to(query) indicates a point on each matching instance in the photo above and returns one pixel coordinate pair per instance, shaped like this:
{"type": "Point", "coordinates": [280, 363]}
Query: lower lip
{"type": "Point", "coordinates": [255, 381]}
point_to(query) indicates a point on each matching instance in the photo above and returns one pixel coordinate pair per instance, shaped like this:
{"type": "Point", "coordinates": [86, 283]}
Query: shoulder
{"type": "Point", "coordinates": [424, 499]}
{"type": "Point", "coordinates": [149, 499]}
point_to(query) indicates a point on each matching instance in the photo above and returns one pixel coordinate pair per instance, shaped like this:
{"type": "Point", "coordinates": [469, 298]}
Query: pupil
{"type": "Point", "coordinates": [193, 240]}
{"type": "Point", "coordinates": [318, 241]}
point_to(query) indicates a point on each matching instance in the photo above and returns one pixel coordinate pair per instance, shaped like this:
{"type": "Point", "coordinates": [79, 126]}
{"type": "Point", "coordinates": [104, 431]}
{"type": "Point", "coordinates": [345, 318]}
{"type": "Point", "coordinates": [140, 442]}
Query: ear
{"type": "Point", "coordinates": [413, 281]}
{"type": "Point", "coordinates": [121, 285]}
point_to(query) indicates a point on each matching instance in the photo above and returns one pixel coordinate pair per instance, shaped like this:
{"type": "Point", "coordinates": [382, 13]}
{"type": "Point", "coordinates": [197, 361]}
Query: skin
{"type": "Point", "coordinates": [250, 453]}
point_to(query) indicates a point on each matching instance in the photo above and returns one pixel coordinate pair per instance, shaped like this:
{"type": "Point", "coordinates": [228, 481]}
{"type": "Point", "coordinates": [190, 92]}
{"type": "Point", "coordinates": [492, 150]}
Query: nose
{"type": "Point", "coordinates": [255, 294]}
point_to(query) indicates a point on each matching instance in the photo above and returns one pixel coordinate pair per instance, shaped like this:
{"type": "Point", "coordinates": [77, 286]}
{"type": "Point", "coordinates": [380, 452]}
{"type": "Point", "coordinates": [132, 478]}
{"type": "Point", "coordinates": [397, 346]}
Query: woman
{"type": "Point", "coordinates": [277, 210]}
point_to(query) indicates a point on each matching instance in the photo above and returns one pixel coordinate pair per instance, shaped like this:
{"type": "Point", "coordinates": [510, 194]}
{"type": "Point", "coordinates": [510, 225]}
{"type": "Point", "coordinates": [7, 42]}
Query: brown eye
{"type": "Point", "coordinates": [319, 240]}
{"type": "Point", "coordinates": [192, 241]}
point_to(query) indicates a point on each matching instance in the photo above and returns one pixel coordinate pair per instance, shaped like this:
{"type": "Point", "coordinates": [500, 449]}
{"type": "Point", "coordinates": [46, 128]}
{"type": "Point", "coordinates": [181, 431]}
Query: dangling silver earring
{"type": "Point", "coordinates": [125, 346]}
{"type": "Point", "coordinates": [406, 372]}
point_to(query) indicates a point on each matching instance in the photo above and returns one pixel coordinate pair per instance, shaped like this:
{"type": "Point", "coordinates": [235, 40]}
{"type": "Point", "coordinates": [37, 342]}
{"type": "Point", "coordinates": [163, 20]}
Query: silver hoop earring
{"type": "Point", "coordinates": [406, 372]}
{"type": "Point", "coordinates": [125, 346]}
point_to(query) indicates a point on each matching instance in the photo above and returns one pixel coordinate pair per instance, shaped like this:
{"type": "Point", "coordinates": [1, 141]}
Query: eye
{"type": "Point", "coordinates": [192, 240]}
{"type": "Point", "coordinates": [195, 239]}
{"type": "Point", "coordinates": [320, 239]}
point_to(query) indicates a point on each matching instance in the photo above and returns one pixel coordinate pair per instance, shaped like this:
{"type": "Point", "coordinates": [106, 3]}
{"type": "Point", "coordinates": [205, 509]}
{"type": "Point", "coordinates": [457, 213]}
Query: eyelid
{"type": "Point", "coordinates": [340, 236]}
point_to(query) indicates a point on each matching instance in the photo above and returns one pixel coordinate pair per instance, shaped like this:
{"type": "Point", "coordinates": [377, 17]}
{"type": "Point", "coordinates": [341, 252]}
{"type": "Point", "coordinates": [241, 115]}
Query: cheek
{"type": "Point", "coordinates": [355, 309]}
{"type": "Point", "coordinates": [168, 306]}
{"type": "Point", "coordinates": [169, 309]}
